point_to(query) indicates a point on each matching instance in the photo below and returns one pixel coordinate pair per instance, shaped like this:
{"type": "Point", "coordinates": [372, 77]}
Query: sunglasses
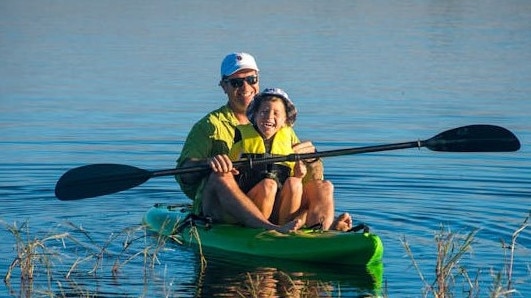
{"type": "Point", "coordinates": [238, 82]}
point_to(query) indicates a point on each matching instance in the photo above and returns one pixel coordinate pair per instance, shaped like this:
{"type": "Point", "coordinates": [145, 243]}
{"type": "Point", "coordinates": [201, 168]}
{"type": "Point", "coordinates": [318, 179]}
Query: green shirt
{"type": "Point", "coordinates": [210, 136]}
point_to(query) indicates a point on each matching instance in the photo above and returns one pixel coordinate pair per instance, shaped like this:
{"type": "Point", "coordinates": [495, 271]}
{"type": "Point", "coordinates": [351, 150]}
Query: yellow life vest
{"type": "Point", "coordinates": [251, 145]}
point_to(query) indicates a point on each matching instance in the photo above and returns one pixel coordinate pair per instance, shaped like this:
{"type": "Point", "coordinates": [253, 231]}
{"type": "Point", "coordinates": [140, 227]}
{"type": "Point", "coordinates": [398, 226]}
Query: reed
{"type": "Point", "coordinates": [31, 252]}
{"type": "Point", "coordinates": [451, 249]}
{"type": "Point", "coordinates": [88, 258]}
{"type": "Point", "coordinates": [41, 254]}
{"type": "Point", "coordinates": [503, 284]}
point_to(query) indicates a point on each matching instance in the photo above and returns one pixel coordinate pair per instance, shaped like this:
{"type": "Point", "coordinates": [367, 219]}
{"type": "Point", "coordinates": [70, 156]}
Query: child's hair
{"type": "Point", "coordinates": [269, 94]}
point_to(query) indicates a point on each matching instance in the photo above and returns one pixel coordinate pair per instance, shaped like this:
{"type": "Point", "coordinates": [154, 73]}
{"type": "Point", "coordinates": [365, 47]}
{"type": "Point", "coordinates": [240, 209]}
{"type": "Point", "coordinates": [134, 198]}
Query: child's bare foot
{"type": "Point", "coordinates": [291, 226]}
{"type": "Point", "coordinates": [342, 222]}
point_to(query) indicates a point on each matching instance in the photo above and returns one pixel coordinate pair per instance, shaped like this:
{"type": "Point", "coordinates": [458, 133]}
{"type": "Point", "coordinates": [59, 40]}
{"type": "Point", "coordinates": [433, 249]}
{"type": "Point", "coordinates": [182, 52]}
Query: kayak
{"type": "Point", "coordinates": [306, 245]}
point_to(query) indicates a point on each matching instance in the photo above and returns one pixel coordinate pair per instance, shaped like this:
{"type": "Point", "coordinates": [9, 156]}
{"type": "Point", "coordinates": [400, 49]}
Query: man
{"type": "Point", "coordinates": [216, 194]}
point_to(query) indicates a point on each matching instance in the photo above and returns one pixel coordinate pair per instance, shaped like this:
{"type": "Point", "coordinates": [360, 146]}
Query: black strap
{"type": "Point", "coordinates": [354, 229]}
{"type": "Point", "coordinates": [361, 226]}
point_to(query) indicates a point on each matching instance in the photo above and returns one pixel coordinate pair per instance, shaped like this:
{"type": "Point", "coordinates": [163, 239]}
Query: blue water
{"type": "Point", "coordinates": [123, 81]}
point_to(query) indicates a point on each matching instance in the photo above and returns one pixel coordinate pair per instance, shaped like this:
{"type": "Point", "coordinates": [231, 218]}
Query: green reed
{"type": "Point", "coordinates": [83, 256]}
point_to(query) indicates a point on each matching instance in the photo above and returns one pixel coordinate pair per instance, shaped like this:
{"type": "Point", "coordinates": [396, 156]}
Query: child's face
{"type": "Point", "coordinates": [270, 117]}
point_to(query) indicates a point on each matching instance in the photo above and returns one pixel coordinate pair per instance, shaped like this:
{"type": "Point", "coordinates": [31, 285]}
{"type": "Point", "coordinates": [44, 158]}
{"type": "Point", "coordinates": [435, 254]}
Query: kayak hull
{"type": "Point", "coordinates": [315, 246]}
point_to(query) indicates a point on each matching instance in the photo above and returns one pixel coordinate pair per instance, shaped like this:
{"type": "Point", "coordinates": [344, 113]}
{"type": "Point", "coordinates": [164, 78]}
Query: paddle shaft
{"type": "Point", "coordinates": [101, 179]}
{"type": "Point", "coordinates": [291, 157]}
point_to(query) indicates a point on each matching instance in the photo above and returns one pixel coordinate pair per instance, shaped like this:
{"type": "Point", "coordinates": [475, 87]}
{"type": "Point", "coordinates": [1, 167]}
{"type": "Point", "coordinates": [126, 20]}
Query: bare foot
{"type": "Point", "coordinates": [291, 226]}
{"type": "Point", "coordinates": [342, 222]}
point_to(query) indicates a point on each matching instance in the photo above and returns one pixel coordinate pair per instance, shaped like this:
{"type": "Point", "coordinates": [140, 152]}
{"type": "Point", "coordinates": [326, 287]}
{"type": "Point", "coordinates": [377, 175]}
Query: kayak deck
{"type": "Point", "coordinates": [307, 245]}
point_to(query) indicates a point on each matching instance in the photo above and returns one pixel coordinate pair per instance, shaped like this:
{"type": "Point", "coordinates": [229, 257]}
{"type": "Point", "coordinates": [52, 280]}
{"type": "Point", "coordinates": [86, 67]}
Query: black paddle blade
{"type": "Point", "coordinates": [474, 138]}
{"type": "Point", "coordinates": [98, 179]}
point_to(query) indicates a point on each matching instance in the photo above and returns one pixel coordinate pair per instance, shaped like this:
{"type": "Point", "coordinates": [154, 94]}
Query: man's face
{"type": "Point", "coordinates": [241, 87]}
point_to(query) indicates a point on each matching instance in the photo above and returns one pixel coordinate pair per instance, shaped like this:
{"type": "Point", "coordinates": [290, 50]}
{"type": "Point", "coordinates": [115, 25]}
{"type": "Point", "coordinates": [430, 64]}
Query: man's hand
{"type": "Point", "coordinates": [222, 164]}
{"type": "Point", "coordinates": [304, 147]}
{"type": "Point", "coordinates": [299, 169]}
{"type": "Point", "coordinates": [314, 165]}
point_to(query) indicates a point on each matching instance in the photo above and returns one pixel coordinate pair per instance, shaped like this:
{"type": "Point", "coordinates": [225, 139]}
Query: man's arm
{"type": "Point", "coordinates": [193, 177]}
{"type": "Point", "coordinates": [315, 170]}
{"type": "Point", "coordinates": [195, 152]}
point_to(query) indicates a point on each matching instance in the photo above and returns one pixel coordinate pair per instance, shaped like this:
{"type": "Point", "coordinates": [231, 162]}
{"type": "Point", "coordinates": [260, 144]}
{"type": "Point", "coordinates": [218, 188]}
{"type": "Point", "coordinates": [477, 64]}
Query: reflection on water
{"type": "Point", "coordinates": [251, 277]}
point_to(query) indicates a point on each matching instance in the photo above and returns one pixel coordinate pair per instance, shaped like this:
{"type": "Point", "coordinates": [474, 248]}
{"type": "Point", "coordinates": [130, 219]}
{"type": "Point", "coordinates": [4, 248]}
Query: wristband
{"type": "Point", "coordinates": [312, 161]}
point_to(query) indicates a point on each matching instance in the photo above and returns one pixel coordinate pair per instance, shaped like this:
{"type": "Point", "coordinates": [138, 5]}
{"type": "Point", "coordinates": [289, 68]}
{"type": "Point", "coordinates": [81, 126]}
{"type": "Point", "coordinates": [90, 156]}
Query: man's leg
{"type": "Point", "coordinates": [319, 197]}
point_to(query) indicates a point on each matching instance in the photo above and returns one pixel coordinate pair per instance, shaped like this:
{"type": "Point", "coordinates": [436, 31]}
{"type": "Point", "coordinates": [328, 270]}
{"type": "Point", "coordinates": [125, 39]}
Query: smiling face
{"type": "Point", "coordinates": [240, 95]}
{"type": "Point", "coordinates": [270, 117]}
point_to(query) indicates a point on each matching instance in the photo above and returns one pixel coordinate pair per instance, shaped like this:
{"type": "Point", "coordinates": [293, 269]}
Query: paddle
{"type": "Point", "coordinates": [101, 179]}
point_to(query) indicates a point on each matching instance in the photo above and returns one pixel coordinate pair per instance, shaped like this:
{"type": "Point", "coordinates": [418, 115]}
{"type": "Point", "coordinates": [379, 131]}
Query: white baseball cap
{"type": "Point", "coordinates": [237, 61]}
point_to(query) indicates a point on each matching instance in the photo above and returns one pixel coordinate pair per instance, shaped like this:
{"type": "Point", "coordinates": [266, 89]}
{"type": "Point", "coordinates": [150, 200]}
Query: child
{"type": "Point", "coordinates": [275, 188]}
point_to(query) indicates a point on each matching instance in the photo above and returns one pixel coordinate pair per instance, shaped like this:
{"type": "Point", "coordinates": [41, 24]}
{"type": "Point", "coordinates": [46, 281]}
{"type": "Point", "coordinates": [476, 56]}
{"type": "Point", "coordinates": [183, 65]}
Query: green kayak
{"type": "Point", "coordinates": [307, 245]}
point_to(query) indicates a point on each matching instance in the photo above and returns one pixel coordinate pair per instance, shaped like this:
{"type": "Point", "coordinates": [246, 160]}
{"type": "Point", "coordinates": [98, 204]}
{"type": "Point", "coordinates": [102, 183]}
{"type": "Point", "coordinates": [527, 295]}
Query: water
{"type": "Point", "coordinates": [123, 82]}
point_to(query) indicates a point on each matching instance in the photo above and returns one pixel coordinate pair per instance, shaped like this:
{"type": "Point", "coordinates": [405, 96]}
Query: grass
{"type": "Point", "coordinates": [452, 248]}
{"type": "Point", "coordinates": [31, 252]}
{"type": "Point", "coordinates": [66, 257]}
{"type": "Point", "coordinates": [77, 255]}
